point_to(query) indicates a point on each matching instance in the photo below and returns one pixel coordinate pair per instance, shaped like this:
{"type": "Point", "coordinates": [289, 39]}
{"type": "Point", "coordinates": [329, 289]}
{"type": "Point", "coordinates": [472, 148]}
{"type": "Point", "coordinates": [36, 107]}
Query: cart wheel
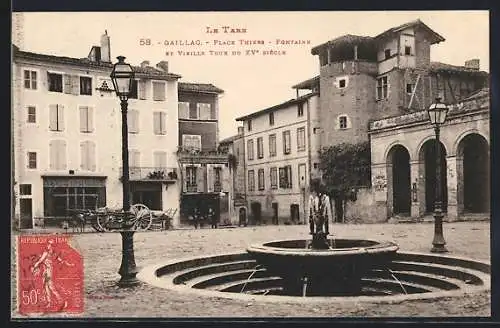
{"type": "Point", "coordinates": [143, 216]}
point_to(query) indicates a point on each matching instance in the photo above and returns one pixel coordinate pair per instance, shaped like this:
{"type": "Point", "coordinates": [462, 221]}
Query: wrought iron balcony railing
{"type": "Point", "coordinates": [187, 155]}
{"type": "Point", "coordinates": [191, 188]}
{"type": "Point", "coordinates": [217, 187]}
{"type": "Point", "coordinates": [137, 173]}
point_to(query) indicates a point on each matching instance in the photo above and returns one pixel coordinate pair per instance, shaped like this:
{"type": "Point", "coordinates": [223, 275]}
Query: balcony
{"type": "Point", "coordinates": [217, 187]}
{"type": "Point", "coordinates": [197, 156]}
{"type": "Point", "coordinates": [152, 174]}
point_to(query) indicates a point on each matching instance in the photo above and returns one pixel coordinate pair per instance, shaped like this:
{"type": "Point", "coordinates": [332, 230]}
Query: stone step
{"type": "Point", "coordinates": [217, 268]}
{"type": "Point", "coordinates": [213, 280]}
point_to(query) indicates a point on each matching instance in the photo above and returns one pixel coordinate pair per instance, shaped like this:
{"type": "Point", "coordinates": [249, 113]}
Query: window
{"type": "Point", "coordinates": [30, 80]}
{"type": "Point", "coordinates": [160, 159]}
{"type": "Point", "coordinates": [316, 130]}
{"type": "Point", "coordinates": [56, 117]}
{"type": "Point", "coordinates": [409, 88]}
{"type": "Point", "coordinates": [159, 91]}
{"type": "Point", "coordinates": [315, 165]}
{"type": "Point", "coordinates": [286, 142]}
{"type": "Point", "coordinates": [272, 145]}
{"type": "Point", "coordinates": [31, 114]}
{"type": "Point", "coordinates": [251, 180]}
{"type": "Point", "coordinates": [31, 160]}
{"type": "Point", "coordinates": [86, 119]}
{"type": "Point", "coordinates": [261, 179]}
{"type": "Point", "coordinates": [271, 119]}
{"type": "Point", "coordinates": [57, 153]}
{"type": "Point", "coordinates": [133, 121]}
{"type": "Point", "coordinates": [183, 110]}
{"type": "Point", "coordinates": [85, 85]}
{"type": "Point", "coordinates": [285, 176]}
{"type": "Point", "coordinates": [387, 53]}
{"type": "Point", "coordinates": [134, 158]}
{"type": "Point", "coordinates": [260, 148]}
{"type": "Point", "coordinates": [250, 149]}
{"type": "Point", "coordinates": [55, 82]}
{"type": "Point", "coordinates": [274, 177]}
{"type": "Point", "coordinates": [342, 122]}
{"type": "Point", "coordinates": [59, 200]}
{"type": "Point", "coordinates": [133, 90]}
{"type": "Point", "coordinates": [160, 122]}
{"type": "Point", "coordinates": [87, 151]}
{"type": "Point", "coordinates": [25, 189]}
{"type": "Point", "coordinates": [342, 83]}
{"type": "Point", "coordinates": [191, 142]}
{"type": "Point", "coordinates": [194, 113]}
{"type": "Point", "coordinates": [382, 87]}
{"type": "Point", "coordinates": [301, 139]}
{"type": "Point", "coordinates": [300, 109]}
{"type": "Point", "coordinates": [249, 122]}
{"type": "Point", "coordinates": [204, 111]}
{"type": "Point", "coordinates": [191, 178]}
{"type": "Point", "coordinates": [407, 50]}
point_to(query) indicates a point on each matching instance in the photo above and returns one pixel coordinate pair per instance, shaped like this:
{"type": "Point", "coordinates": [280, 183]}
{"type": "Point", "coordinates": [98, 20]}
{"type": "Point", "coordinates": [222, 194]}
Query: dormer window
{"type": "Point", "coordinates": [387, 53]}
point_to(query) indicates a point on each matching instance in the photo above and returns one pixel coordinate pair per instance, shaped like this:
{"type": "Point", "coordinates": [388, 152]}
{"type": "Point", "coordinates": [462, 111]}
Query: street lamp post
{"type": "Point", "coordinates": [122, 76]}
{"type": "Point", "coordinates": [437, 116]}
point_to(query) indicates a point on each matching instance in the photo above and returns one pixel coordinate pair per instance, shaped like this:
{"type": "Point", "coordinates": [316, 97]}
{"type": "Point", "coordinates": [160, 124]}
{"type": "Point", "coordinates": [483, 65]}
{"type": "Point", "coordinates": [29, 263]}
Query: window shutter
{"type": "Point", "coordinates": [142, 89]}
{"type": "Point", "coordinates": [211, 179]}
{"type": "Point", "coordinates": [52, 157]}
{"type": "Point", "coordinates": [136, 120]}
{"type": "Point", "coordinates": [53, 117]}
{"type": "Point", "coordinates": [163, 120]}
{"type": "Point", "coordinates": [83, 119]}
{"type": "Point", "coordinates": [200, 178]}
{"type": "Point", "coordinates": [92, 156]}
{"type": "Point", "coordinates": [183, 110]}
{"type": "Point", "coordinates": [157, 122]}
{"type": "Point", "coordinates": [62, 155]}
{"type": "Point", "coordinates": [75, 84]}
{"type": "Point", "coordinates": [67, 83]}
{"type": "Point", "coordinates": [60, 114]}
{"type": "Point", "coordinates": [90, 119]}
{"type": "Point", "coordinates": [158, 91]}
{"type": "Point", "coordinates": [83, 155]}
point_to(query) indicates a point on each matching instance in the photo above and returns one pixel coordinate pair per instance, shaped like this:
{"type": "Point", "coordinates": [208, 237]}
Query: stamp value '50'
{"type": "Point", "coordinates": [50, 275]}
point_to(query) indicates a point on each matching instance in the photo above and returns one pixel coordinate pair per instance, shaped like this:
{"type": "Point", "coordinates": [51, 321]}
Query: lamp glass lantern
{"type": "Point", "coordinates": [437, 112]}
{"type": "Point", "coordinates": [122, 76]}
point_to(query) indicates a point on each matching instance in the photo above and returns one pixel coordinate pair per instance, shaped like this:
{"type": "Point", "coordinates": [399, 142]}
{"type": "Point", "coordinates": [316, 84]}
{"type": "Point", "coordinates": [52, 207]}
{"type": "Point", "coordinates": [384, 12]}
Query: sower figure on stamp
{"type": "Point", "coordinates": [48, 259]}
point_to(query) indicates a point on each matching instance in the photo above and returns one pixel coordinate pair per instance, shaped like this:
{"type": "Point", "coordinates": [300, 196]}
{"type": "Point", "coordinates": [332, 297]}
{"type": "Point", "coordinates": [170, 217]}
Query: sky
{"type": "Point", "coordinates": [252, 81]}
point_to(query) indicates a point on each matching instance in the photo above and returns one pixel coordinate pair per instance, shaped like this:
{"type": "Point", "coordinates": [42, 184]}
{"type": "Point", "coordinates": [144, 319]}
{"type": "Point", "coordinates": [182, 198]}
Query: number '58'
{"type": "Point", "coordinates": [145, 42]}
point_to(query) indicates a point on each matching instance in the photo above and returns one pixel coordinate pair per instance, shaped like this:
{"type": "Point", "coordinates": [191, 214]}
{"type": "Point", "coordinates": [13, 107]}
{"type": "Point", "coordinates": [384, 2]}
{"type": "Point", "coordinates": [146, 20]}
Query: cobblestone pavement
{"type": "Point", "coordinates": [102, 257]}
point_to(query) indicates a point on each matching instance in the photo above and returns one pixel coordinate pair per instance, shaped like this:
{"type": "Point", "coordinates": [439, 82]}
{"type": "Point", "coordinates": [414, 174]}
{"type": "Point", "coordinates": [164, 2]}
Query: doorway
{"type": "Point", "coordinates": [294, 213]}
{"type": "Point", "coordinates": [429, 153]}
{"type": "Point", "coordinates": [401, 191]}
{"type": "Point", "coordinates": [26, 213]}
{"type": "Point", "coordinates": [275, 213]}
{"type": "Point", "coordinates": [256, 212]}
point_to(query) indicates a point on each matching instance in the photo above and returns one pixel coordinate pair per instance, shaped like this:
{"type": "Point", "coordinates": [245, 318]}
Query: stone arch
{"type": "Point", "coordinates": [430, 136]}
{"type": "Point", "coordinates": [428, 174]}
{"type": "Point", "coordinates": [464, 134]}
{"type": "Point", "coordinates": [398, 180]}
{"type": "Point", "coordinates": [473, 173]}
{"type": "Point", "coordinates": [391, 145]}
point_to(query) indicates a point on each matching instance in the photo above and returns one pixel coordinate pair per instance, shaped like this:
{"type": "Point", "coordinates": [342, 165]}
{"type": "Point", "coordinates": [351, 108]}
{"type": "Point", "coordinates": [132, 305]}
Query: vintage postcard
{"type": "Point", "coordinates": [250, 164]}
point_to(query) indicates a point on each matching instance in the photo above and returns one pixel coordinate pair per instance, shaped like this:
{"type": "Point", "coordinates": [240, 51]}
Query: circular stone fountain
{"type": "Point", "coordinates": [339, 270]}
{"type": "Point", "coordinates": [336, 270]}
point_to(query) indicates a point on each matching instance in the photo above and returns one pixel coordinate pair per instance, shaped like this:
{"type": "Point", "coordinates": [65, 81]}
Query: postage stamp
{"type": "Point", "coordinates": [50, 275]}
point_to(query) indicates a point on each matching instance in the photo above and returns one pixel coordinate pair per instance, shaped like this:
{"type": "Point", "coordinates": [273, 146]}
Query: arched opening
{"type": "Point", "coordinates": [428, 156]}
{"type": "Point", "coordinates": [473, 150]}
{"type": "Point", "coordinates": [256, 210]}
{"type": "Point", "coordinates": [399, 158]}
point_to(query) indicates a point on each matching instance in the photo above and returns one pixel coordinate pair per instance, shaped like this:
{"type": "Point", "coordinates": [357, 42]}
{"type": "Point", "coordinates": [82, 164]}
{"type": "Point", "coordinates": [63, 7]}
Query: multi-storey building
{"type": "Point", "coordinates": [363, 82]}
{"type": "Point", "coordinates": [204, 168]}
{"type": "Point", "coordinates": [364, 79]}
{"type": "Point", "coordinates": [235, 147]}
{"type": "Point", "coordinates": [277, 166]}
{"type": "Point", "coordinates": [67, 134]}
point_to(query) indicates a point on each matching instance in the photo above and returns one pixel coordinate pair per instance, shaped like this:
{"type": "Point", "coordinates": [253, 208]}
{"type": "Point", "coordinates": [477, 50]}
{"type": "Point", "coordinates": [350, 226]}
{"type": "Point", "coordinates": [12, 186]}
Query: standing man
{"type": "Point", "coordinates": [325, 208]}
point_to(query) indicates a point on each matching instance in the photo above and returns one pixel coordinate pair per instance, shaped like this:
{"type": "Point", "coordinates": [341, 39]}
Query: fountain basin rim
{"type": "Point", "coordinates": [148, 275]}
{"type": "Point", "coordinates": [378, 247]}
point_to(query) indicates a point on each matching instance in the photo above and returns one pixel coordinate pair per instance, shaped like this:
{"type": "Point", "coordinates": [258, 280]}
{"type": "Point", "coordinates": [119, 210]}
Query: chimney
{"type": "Point", "coordinates": [145, 63]}
{"type": "Point", "coordinates": [241, 130]}
{"type": "Point", "coordinates": [472, 64]}
{"type": "Point", "coordinates": [105, 48]}
{"type": "Point", "coordinates": [163, 65]}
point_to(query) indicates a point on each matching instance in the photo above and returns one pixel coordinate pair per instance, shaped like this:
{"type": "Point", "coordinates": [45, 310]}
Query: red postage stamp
{"type": "Point", "coordinates": [50, 275]}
